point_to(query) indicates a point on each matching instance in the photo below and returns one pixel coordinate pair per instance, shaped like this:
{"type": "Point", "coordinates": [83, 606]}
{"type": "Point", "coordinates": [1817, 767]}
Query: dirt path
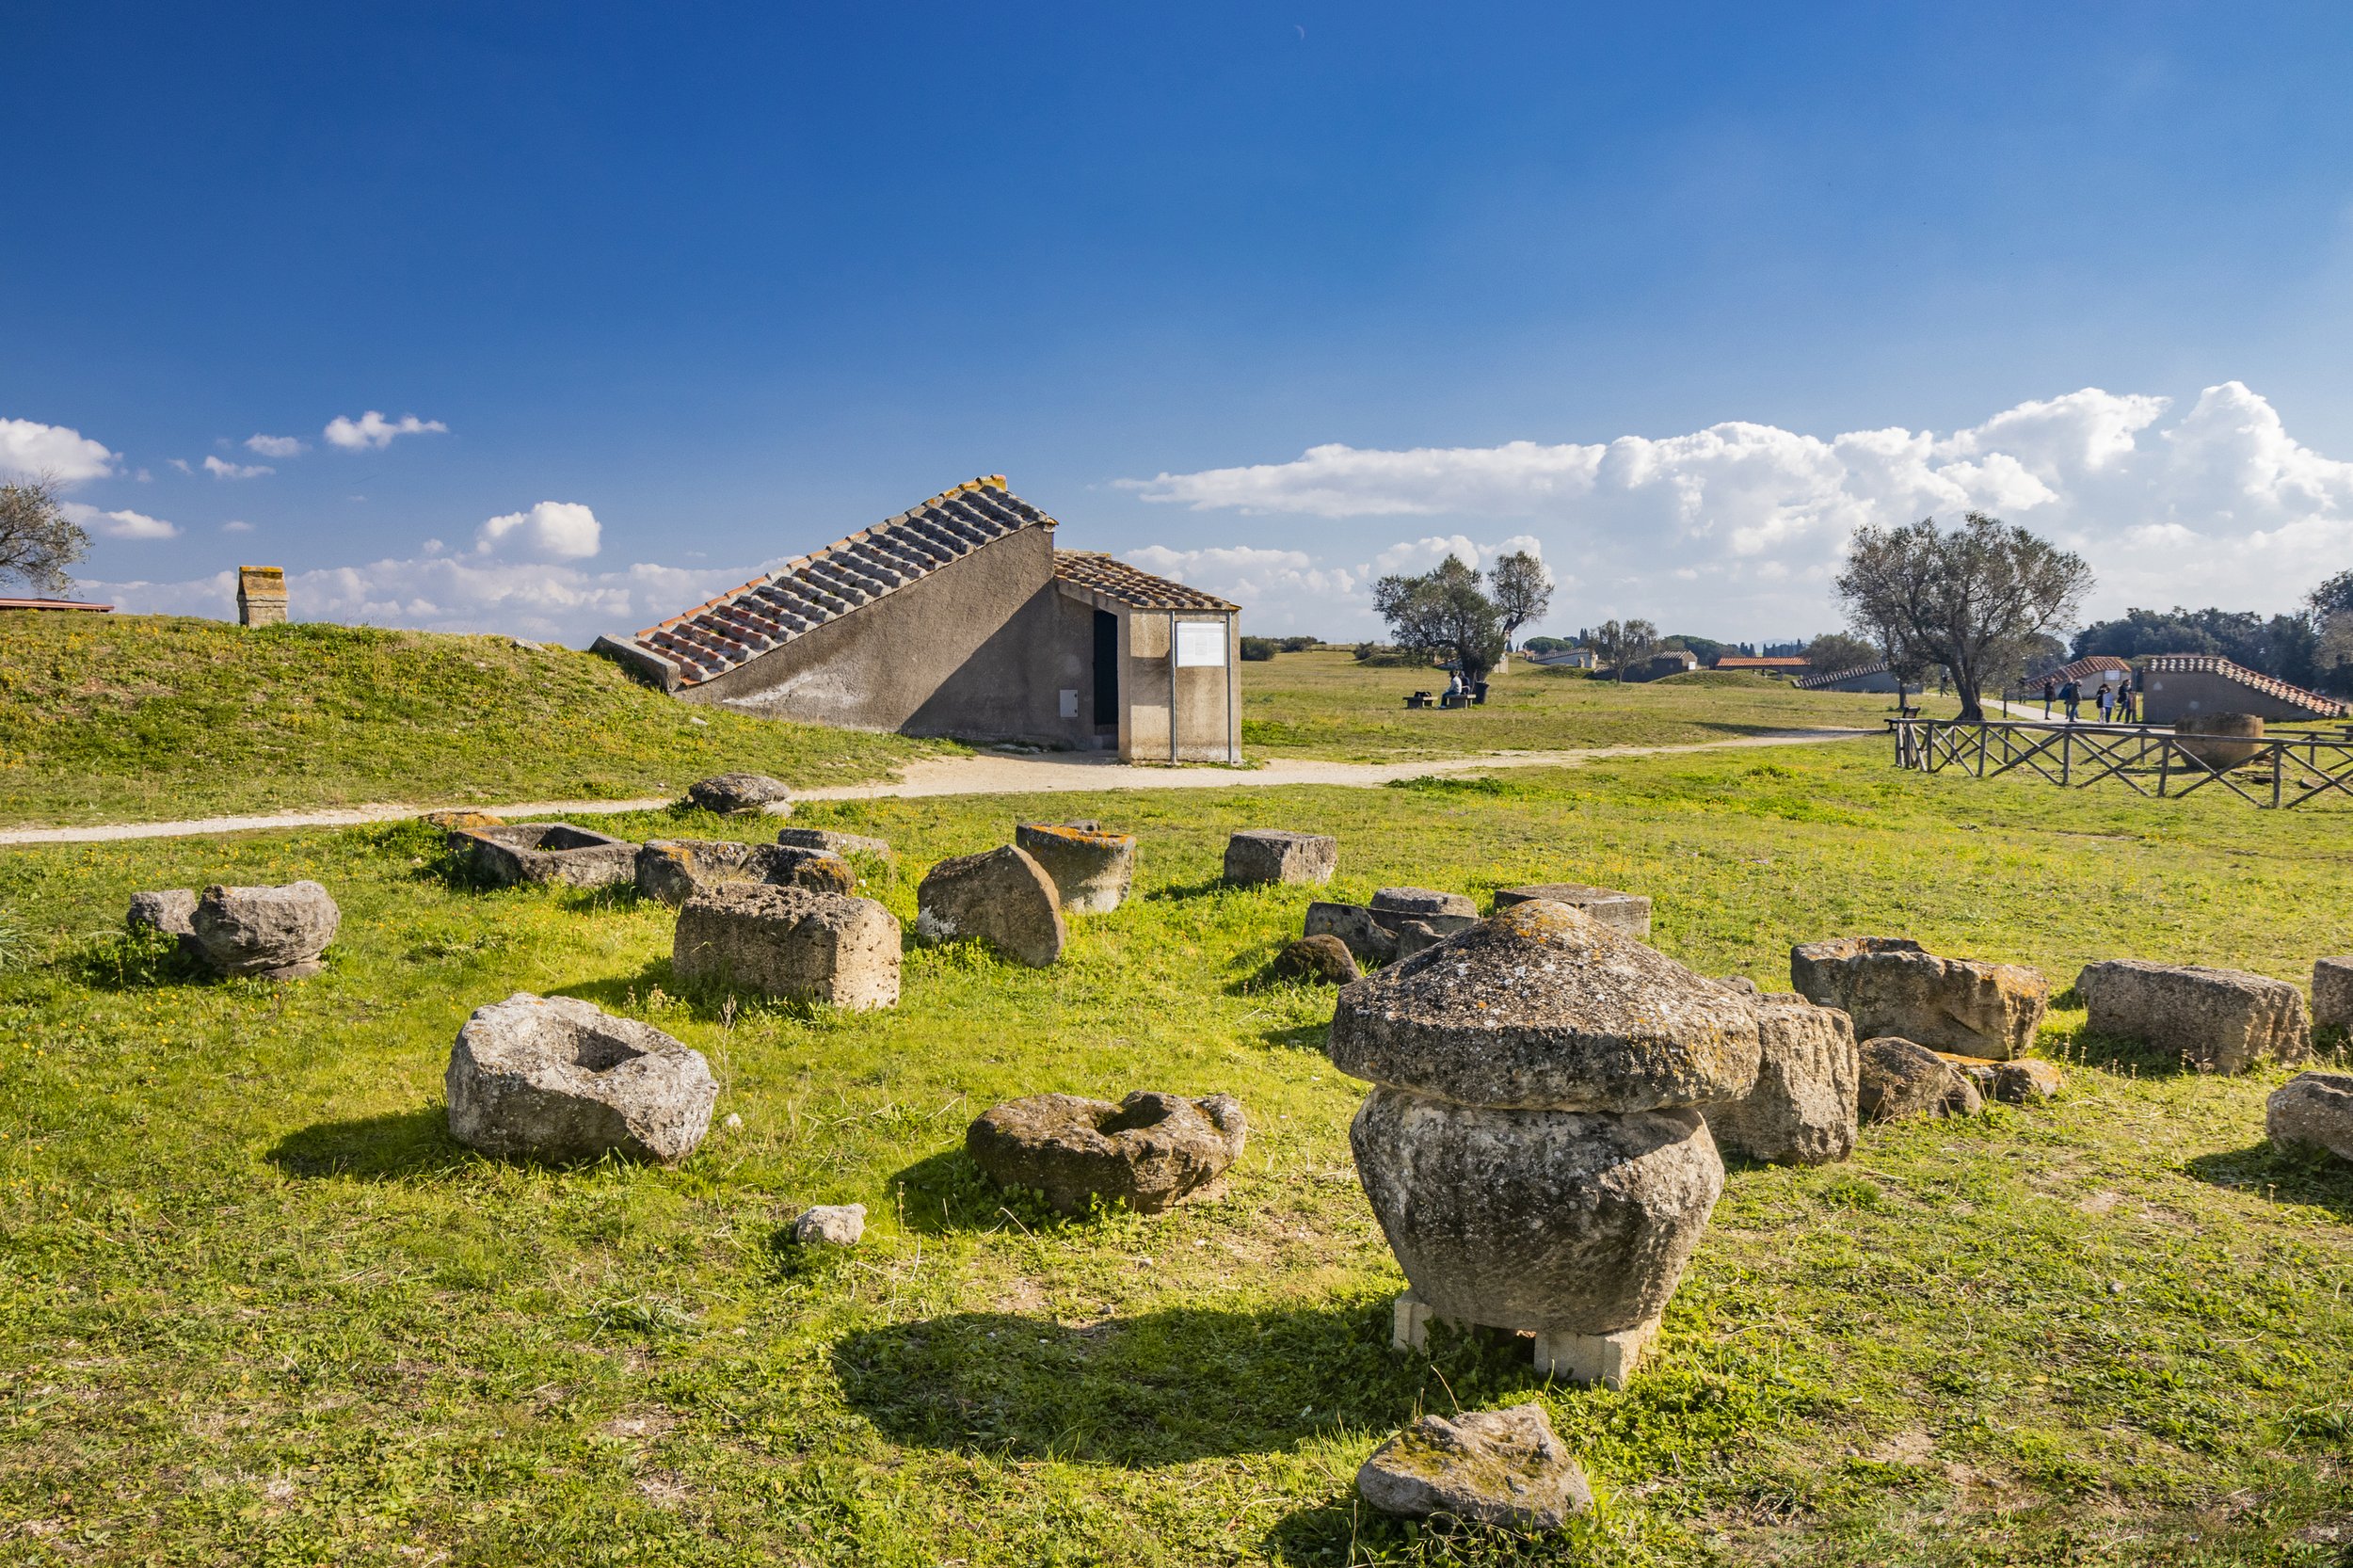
{"type": "Point", "coordinates": [986, 773]}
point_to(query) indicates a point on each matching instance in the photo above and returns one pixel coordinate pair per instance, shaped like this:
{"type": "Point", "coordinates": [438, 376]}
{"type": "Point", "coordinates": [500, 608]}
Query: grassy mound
{"type": "Point", "coordinates": [255, 1306]}
{"type": "Point", "coordinates": [142, 717]}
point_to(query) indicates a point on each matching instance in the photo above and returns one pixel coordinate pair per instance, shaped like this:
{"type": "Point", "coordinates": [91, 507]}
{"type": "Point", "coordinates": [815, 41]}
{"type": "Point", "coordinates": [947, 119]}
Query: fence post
{"type": "Point", "coordinates": [2165, 764]}
{"type": "Point", "coordinates": [2278, 749]}
{"type": "Point", "coordinates": [2066, 757]}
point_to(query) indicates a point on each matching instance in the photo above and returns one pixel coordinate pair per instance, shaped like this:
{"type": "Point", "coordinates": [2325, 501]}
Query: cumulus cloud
{"type": "Point", "coordinates": [27, 446]}
{"type": "Point", "coordinates": [464, 593]}
{"type": "Point", "coordinates": [119, 525]}
{"type": "Point", "coordinates": [551, 531]}
{"type": "Point", "coordinates": [236, 525]}
{"type": "Point", "coordinates": [220, 469]}
{"type": "Point", "coordinates": [373, 431]}
{"type": "Point", "coordinates": [276, 446]}
{"type": "Point", "coordinates": [1738, 528]}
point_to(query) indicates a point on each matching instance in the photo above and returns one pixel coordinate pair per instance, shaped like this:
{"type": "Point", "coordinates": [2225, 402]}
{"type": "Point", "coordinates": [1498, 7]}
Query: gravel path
{"type": "Point", "coordinates": [986, 773]}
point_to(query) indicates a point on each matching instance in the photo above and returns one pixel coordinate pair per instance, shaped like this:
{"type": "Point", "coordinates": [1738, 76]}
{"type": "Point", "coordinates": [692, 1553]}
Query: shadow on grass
{"type": "Point", "coordinates": [1179, 892]}
{"type": "Point", "coordinates": [1162, 1388]}
{"type": "Point", "coordinates": [1348, 1530]}
{"type": "Point", "coordinates": [946, 1192]}
{"type": "Point", "coordinates": [1306, 1037]}
{"type": "Point", "coordinates": [390, 1148]}
{"type": "Point", "coordinates": [633, 996]}
{"type": "Point", "coordinates": [2313, 1177]}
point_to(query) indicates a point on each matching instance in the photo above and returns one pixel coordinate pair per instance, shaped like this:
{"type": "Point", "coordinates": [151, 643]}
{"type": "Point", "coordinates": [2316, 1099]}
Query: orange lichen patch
{"type": "Point", "coordinates": [1090, 837]}
{"type": "Point", "coordinates": [461, 819]}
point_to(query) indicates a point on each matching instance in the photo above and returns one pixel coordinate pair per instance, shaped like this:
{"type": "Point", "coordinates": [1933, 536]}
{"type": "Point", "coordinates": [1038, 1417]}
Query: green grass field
{"type": "Point", "coordinates": [1326, 704]}
{"type": "Point", "coordinates": [130, 718]}
{"type": "Point", "coordinates": [255, 1307]}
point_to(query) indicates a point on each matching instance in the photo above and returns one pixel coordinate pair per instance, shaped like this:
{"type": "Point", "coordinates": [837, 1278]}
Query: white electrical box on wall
{"type": "Point", "coordinates": [1200, 644]}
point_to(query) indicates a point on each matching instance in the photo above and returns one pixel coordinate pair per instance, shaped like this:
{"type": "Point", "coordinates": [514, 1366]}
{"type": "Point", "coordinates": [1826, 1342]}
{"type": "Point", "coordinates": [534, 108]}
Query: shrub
{"type": "Point", "coordinates": [1302, 645]}
{"type": "Point", "coordinates": [1257, 648]}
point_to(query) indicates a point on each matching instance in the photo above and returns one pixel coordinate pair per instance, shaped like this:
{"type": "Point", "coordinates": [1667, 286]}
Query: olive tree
{"type": "Point", "coordinates": [38, 541]}
{"type": "Point", "coordinates": [1623, 643]}
{"type": "Point", "coordinates": [1521, 590]}
{"type": "Point", "coordinates": [1443, 611]}
{"type": "Point", "coordinates": [1969, 598]}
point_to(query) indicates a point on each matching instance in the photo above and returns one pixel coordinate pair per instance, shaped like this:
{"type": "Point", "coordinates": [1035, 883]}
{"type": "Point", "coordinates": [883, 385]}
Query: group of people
{"type": "Point", "coordinates": [2116, 702]}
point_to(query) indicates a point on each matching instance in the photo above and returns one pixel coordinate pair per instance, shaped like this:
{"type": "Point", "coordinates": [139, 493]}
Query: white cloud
{"type": "Point", "coordinates": [551, 531]}
{"type": "Point", "coordinates": [443, 592]}
{"type": "Point", "coordinates": [220, 469]}
{"type": "Point", "coordinates": [372, 430]}
{"type": "Point", "coordinates": [27, 446]}
{"type": "Point", "coordinates": [236, 526]}
{"type": "Point", "coordinates": [120, 525]}
{"type": "Point", "coordinates": [276, 446]}
{"type": "Point", "coordinates": [1737, 529]}
{"type": "Point", "coordinates": [182, 464]}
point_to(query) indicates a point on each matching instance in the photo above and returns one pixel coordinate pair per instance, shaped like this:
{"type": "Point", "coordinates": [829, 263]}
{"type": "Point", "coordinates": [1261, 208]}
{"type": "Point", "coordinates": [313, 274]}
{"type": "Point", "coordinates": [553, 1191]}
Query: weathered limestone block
{"type": "Point", "coordinates": [1577, 1222]}
{"type": "Point", "coordinates": [1444, 912]}
{"type": "Point", "coordinates": [2220, 1021]}
{"type": "Point", "coordinates": [1259, 854]}
{"type": "Point", "coordinates": [843, 844]}
{"type": "Point", "coordinates": [790, 942]}
{"type": "Point", "coordinates": [2025, 1081]}
{"type": "Point", "coordinates": [169, 910]}
{"type": "Point", "coordinates": [1148, 1151]}
{"type": "Point", "coordinates": [547, 853]}
{"type": "Point", "coordinates": [1892, 986]}
{"type": "Point", "coordinates": [831, 1225]}
{"type": "Point", "coordinates": [1414, 936]}
{"type": "Point", "coordinates": [555, 1079]}
{"type": "Point", "coordinates": [1901, 1077]}
{"type": "Point", "coordinates": [2333, 993]}
{"type": "Point", "coordinates": [1353, 926]}
{"type": "Point", "coordinates": [1483, 1466]}
{"type": "Point", "coordinates": [1321, 958]}
{"type": "Point", "coordinates": [1801, 1111]}
{"type": "Point", "coordinates": [750, 792]}
{"type": "Point", "coordinates": [2313, 1110]}
{"type": "Point", "coordinates": [1001, 897]}
{"type": "Point", "coordinates": [1543, 1008]}
{"type": "Point", "coordinates": [1091, 869]}
{"type": "Point", "coordinates": [277, 932]}
{"type": "Point", "coordinates": [675, 870]}
{"type": "Point", "coordinates": [1625, 912]}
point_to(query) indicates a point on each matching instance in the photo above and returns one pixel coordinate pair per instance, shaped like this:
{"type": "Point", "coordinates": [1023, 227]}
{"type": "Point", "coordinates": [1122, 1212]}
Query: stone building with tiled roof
{"type": "Point", "coordinates": [960, 617]}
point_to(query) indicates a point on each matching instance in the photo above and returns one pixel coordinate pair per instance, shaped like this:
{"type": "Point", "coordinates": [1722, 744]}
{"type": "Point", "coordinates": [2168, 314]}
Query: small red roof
{"type": "Point", "coordinates": [82, 604]}
{"type": "Point", "coordinates": [1761, 661]}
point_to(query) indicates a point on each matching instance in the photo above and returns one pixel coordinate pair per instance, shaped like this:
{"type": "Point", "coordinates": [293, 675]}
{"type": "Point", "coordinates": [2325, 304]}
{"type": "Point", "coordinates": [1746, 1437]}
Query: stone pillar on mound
{"type": "Point", "coordinates": [1533, 1144]}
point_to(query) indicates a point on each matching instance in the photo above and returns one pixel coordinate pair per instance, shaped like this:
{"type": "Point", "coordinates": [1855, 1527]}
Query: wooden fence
{"type": "Point", "coordinates": [2273, 773]}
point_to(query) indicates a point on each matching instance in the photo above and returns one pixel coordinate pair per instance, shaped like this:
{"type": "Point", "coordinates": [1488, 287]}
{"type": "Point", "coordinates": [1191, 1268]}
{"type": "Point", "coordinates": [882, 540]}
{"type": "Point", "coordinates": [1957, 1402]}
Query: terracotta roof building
{"type": "Point", "coordinates": [2101, 669]}
{"type": "Point", "coordinates": [960, 617]}
{"type": "Point", "coordinates": [1862, 677]}
{"type": "Point", "coordinates": [2183, 685]}
{"type": "Point", "coordinates": [1787, 663]}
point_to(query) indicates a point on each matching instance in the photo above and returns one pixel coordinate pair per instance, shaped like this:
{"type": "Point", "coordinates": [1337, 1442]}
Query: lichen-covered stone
{"type": "Point", "coordinates": [1414, 936]}
{"type": "Point", "coordinates": [1892, 986]}
{"type": "Point", "coordinates": [1903, 1078]}
{"type": "Point", "coordinates": [1091, 869]}
{"type": "Point", "coordinates": [456, 817]}
{"type": "Point", "coordinates": [1552, 1221]}
{"type": "Point", "coordinates": [556, 1078]}
{"type": "Point", "coordinates": [275, 933]}
{"type": "Point", "coordinates": [2025, 1081]}
{"type": "Point", "coordinates": [675, 870]}
{"type": "Point", "coordinates": [843, 844]}
{"type": "Point", "coordinates": [731, 792]}
{"type": "Point", "coordinates": [2312, 1111]}
{"type": "Point", "coordinates": [1263, 855]}
{"type": "Point", "coordinates": [1424, 903]}
{"type": "Point", "coordinates": [2221, 1020]}
{"type": "Point", "coordinates": [1148, 1151]}
{"type": "Point", "coordinates": [169, 910]}
{"type": "Point", "coordinates": [1352, 926]}
{"type": "Point", "coordinates": [1543, 1008]}
{"type": "Point", "coordinates": [1503, 1468]}
{"type": "Point", "coordinates": [547, 853]}
{"type": "Point", "coordinates": [830, 1225]}
{"type": "Point", "coordinates": [1002, 897]}
{"type": "Point", "coordinates": [790, 942]}
{"type": "Point", "coordinates": [1625, 912]}
{"type": "Point", "coordinates": [1801, 1110]}
{"type": "Point", "coordinates": [1321, 958]}
{"type": "Point", "coordinates": [2333, 993]}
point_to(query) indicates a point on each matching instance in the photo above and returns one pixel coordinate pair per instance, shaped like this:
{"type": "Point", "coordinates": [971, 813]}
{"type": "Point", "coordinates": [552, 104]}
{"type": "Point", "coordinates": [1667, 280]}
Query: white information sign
{"type": "Point", "coordinates": [1200, 644]}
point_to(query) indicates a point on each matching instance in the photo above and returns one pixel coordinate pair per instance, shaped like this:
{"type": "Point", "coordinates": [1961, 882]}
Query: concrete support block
{"type": "Point", "coordinates": [1409, 1323]}
{"type": "Point", "coordinates": [1606, 1359]}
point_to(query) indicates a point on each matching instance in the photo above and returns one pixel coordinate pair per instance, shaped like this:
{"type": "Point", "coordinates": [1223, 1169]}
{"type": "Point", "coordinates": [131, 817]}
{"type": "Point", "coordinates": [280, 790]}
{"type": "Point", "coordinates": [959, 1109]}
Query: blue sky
{"type": "Point", "coordinates": [1624, 284]}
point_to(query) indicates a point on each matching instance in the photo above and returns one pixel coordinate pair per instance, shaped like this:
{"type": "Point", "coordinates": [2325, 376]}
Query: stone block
{"type": "Point", "coordinates": [1497, 1468]}
{"type": "Point", "coordinates": [1893, 986]}
{"type": "Point", "coordinates": [1625, 912]}
{"type": "Point", "coordinates": [790, 942]}
{"type": "Point", "coordinates": [1424, 903]}
{"type": "Point", "coordinates": [1264, 854]}
{"type": "Point", "coordinates": [1149, 1151]}
{"type": "Point", "coordinates": [749, 793]}
{"type": "Point", "coordinates": [1802, 1109]}
{"type": "Point", "coordinates": [169, 910]}
{"type": "Point", "coordinates": [546, 854]}
{"type": "Point", "coordinates": [2217, 1020]}
{"type": "Point", "coordinates": [831, 1225]}
{"type": "Point", "coordinates": [1002, 897]}
{"type": "Point", "coordinates": [2312, 1111]}
{"type": "Point", "coordinates": [1354, 927]}
{"type": "Point", "coordinates": [1903, 1078]}
{"type": "Point", "coordinates": [1319, 958]}
{"type": "Point", "coordinates": [675, 870]}
{"type": "Point", "coordinates": [1091, 869]}
{"type": "Point", "coordinates": [275, 933]}
{"type": "Point", "coordinates": [557, 1080]}
{"type": "Point", "coordinates": [2333, 993]}
{"type": "Point", "coordinates": [843, 844]}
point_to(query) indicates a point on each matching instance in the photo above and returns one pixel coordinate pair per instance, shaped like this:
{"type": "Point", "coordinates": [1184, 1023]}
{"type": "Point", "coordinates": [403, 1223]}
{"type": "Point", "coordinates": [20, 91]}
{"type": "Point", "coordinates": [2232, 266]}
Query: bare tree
{"type": "Point", "coordinates": [1967, 599]}
{"type": "Point", "coordinates": [38, 541]}
{"type": "Point", "coordinates": [1622, 644]}
{"type": "Point", "coordinates": [1443, 612]}
{"type": "Point", "coordinates": [1521, 590]}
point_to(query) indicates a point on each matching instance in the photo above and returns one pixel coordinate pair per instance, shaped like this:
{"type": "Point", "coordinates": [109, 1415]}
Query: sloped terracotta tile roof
{"type": "Point", "coordinates": [806, 592]}
{"type": "Point", "coordinates": [1812, 682]}
{"type": "Point", "coordinates": [2084, 669]}
{"type": "Point", "coordinates": [1761, 661]}
{"type": "Point", "coordinates": [1099, 573]}
{"type": "Point", "coordinates": [84, 605]}
{"type": "Point", "coordinates": [2271, 686]}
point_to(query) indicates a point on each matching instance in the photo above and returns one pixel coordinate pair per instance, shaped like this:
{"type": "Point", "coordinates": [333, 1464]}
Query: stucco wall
{"type": "Point", "coordinates": [1207, 699]}
{"type": "Point", "coordinates": [979, 648]}
{"type": "Point", "coordinates": [2168, 696]}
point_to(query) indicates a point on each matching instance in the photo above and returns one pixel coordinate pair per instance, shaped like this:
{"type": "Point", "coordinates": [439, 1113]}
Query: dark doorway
{"type": "Point", "coordinates": [1106, 669]}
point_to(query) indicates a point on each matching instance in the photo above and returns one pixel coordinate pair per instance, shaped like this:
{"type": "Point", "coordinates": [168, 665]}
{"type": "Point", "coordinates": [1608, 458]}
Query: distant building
{"type": "Point", "coordinates": [1861, 677]}
{"type": "Point", "coordinates": [261, 596]}
{"type": "Point", "coordinates": [1676, 660]}
{"type": "Point", "coordinates": [1566, 658]}
{"type": "Point", "coordinates": [960, 617]}
{"type": "Point", "coordinates": [78, 606]}
{"type": "Point", "coordinates": [2101, 669]}
{"type": "Point", "coordinates": [1763, 664]}
{"type": "Point", "coordinates": [2178, 686]}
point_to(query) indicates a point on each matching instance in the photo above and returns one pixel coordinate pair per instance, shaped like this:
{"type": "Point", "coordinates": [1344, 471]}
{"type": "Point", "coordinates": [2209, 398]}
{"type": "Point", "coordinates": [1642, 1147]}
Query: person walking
{"type": "Point", "coordinates": [2050, 695]}
{"type": "Point", "coordinates": [2124, 700]}
{"type": "Point", "coordinates": [2107, 701]}
{"type": "Point", "coordinates": [2072, 696]}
